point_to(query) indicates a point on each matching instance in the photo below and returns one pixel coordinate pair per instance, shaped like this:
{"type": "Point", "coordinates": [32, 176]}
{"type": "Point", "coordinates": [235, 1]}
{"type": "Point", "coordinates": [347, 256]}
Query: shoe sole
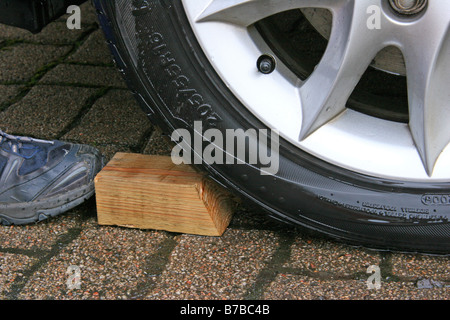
{"type": "Point", "coordinates": [43, 210]}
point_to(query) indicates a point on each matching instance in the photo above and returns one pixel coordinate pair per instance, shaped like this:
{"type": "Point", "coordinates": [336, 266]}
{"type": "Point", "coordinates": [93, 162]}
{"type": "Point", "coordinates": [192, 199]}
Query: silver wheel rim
{"type": "Point", "coordinates": [311, 114]}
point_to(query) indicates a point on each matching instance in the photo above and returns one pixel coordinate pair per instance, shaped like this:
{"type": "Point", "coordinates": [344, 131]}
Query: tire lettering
{"type": "Point", "coordinates": [186, 96]}
{"type": "Point", "coordinates": [381, 210]}
{"type": "Point", "coordinates": [436, 199]}
{"type": "Point", "coordinates": [141, 7]}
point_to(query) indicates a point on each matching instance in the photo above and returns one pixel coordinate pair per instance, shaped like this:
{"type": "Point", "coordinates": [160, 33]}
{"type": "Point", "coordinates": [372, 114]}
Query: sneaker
{"type": "Point", "coordinates": [40, 179]}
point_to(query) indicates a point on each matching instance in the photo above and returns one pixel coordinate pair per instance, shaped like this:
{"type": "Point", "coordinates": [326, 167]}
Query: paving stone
{"type": "Point", "coordinates": [111, 262]}
{"type": "Point", "coordinates": [7, 93]}
{"type": "Point", "coordinates": [12, 267]}
{"type": "Point", "coordinates": [12, 33]}
{"type": "Point", "coordinates": [74, 74]}
{"type": "Point", "coordinates": [88, 15]}
{"type": "Point", "coordinates": [21, 62]}
{"type": "Point", "coordinates": [108, 150]}
{"type": "Point", "coordinates": [215, 268]}
{"type": "Point", "coordinates": [409, 291]}
{"type": "Point", "coordinates": [43, 235]}
{"type": "Point", "coordinates": [115, 118]}
{"type": "Point", "coordinates": [421, 266]}
{"type": "Point", "coordinates": [45, 111]}
{"type": "Point", "coordinates": [325, 256]}
{"type": "Point", "coordinates": [251, 218]}
{"type": "Point", "coordinates": [300, 287]}
{"type": "Point", "coordinates": [55, 33]}
{"type": "Point", "coordinates": [87, 75]}
{"type": "Point", "coordinates": [157, 145]}
{"type": "Point", "coordinates": [93, 51]}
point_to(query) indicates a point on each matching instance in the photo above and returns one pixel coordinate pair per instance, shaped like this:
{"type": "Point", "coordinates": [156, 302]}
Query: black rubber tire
{"type": "Point", "coordinates": [307, 192]}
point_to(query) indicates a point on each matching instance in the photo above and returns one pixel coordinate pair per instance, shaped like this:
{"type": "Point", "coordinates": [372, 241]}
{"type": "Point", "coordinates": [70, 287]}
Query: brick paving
{"type": "Point", "coordinates": [62, 84]}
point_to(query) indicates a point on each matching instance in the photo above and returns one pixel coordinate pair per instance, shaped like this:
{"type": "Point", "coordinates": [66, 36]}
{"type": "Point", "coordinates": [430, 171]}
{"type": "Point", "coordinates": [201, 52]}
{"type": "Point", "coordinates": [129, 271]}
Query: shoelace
{"type": "Point", "coordinates": [15, 143]}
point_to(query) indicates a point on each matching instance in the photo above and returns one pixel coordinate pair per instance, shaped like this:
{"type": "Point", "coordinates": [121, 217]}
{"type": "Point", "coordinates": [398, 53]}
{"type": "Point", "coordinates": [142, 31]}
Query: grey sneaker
{"type": "Point", "coordinates": [40, 179]}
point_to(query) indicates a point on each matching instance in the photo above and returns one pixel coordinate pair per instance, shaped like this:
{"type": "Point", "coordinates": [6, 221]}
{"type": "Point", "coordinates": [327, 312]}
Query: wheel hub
{"type": "Point", "coordinates": [408, 7]}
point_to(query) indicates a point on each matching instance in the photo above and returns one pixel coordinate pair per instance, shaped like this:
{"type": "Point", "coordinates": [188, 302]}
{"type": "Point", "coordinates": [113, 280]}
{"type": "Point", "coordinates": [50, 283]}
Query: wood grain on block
{"type": "Point", "coordinates": [151, 192]}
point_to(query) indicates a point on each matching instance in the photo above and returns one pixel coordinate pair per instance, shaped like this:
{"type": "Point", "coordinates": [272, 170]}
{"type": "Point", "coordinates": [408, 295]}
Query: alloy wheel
{"type": "Point", "coordinates": [312, 113]}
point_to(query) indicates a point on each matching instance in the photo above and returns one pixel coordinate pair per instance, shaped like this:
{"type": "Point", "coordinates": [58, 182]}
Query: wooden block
{"type": "Point", "coordinates": [151, 192]}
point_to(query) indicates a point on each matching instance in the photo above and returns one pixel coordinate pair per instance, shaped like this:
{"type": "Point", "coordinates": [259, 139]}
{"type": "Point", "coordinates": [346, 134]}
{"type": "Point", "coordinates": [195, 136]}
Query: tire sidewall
{"type": "Point", "coordinates": [177, 86]}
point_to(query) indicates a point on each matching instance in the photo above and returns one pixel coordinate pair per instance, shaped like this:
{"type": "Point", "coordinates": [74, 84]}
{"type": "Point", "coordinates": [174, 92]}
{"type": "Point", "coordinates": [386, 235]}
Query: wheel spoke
{"type": "Point", "coordinates": [247, 12]}
{"type": "Point", "coordinates": [424, 40]}
{"type": "Point", "coordinates": [350, 51]}
{"type": "Point", "coordinates": [428, 73]}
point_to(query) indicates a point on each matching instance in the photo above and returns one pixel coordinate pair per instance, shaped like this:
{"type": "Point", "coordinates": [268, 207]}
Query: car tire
{"type": "Point", "coordinates": [164, 65]}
